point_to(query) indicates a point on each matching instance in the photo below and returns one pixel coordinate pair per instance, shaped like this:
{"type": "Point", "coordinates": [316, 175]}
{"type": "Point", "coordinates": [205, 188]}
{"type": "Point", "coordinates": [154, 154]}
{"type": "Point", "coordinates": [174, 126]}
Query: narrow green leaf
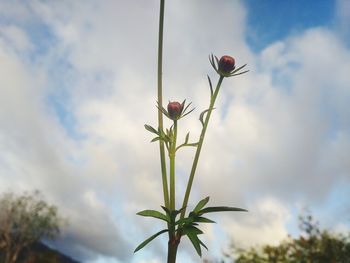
{"type": "Point", "coordinates": [180, 210]}
{"type": "Point", "coordinates": [211, 59]}
{"type": "Point", "coordinates": [221, 209]}
{"type": "Point", "coordinates": [154, 213]}
{"type": "Point", "coordinates": [236, 74]}
{"type": "Point", "coordinates": [185, 114]}
{"type": "Point", "coordinates": [186, 220]}
{"type": "Point", "coordinates": [192, 229]}
{"type": "Point", "coordinates": [202, 244]}
{"type": "Point", "coordinates": [212, 62]}
{"type": "Point", "coordinates": [238, 69]}
{"type": "Point", "coordinates": [166, 210]}
{"type": "Point", "coordinates": [196, 230]}
{"type": "Point", "coordinates": [201, 204]}
{"type": "Point", "coordinates": [195, 242]}
{"type": "Point", "coordinates": [188, 105]}
{"type": "Point", "coordinates": [201, 219]}
{"type": "Point", "coordinates": [151, 129]}
{"type": "Point", "coordinates": [211, 86]}
{"type": "Point", "coordinates": [144, 243]}
{"type": "Point", "coordinates": [217, 60]}
{"type": "Point", "coordinates": [183, 105]}
{"type": "Point", "coordinates": [201, 116]}
{"type": "Point", "coordinates": [163, 110]}
{"type": "Point", "coordinates": [155, 139]}
{"type": "Point", "coordinates": [187, 137]}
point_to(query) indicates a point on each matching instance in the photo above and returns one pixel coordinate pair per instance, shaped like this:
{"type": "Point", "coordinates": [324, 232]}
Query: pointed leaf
{"type": "Point", "coordinates": [195, 242]}
{"type": "Point", "coordinates": [188, 105]}
{"type": "Point", "coordinates": [202, 244]}
{"type": "Point", "coordinates": [187, 113]}
{"type": "Point", "coordinates": [221, 209]}
{"type": "Point", "coordinates": [238, 69]}
{"type": "Point", "coordinates": [163, 110]}
{"type": "Point", "coordinates": [201, 219]}
{"type": "Point", "coordinates": [201, 204]}
{"type": "Point", "coordinates": [217, 60]}
{"type": "Point", "coordinates": [211, 86]}
{"type": "Point", "coordinates": [155, 139]}
{"type": "Point", "coordinates": [236, 74]}
{"type": "Point", "coordinates": [167, 211]}
{"type": "Point", "coordinates": [183, 105]}
{"type": "Point", "coordinates": [153, 213]}
{"type": "Point", "coordinates": [186, 220]}
{"type": "Point", "coordinates": [175, 213]}
{"type": "Point", "coordinates": [212, 62]}
{"type": "Point", "coordinates": [192, 229]}
{"type": "Point", "coordinates": [144, 243]}
{"type": "Point", "coordinates": [187, 137]}
{"type": "Point", "coordinates": [184, 111]}
{"type": "Point", "coordinates": [151, 129]}
{"type": "Point", "coordinates": [201, 116]}
{"type": "Point", "coordinates": [180, 210]}
{"type": "Point", "coordinates": [211, 59]}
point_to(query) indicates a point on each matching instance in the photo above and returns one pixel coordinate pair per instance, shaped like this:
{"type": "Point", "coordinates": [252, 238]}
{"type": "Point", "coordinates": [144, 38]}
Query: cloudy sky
{"type": "Point", "coordinates": [78, 82]}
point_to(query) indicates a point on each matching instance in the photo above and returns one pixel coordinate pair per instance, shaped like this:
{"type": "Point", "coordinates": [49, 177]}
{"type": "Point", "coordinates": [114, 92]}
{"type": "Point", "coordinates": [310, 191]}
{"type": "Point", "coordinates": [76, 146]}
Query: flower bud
{"type": "Point", "coordinates": [226, 65]}
{"type": "Point", "coordinates": [174, 110]}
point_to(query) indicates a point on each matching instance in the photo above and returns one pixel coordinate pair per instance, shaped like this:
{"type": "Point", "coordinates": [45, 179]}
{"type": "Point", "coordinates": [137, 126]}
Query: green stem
{"type": "Point", "coordinates": [172, 251]}
{"type": "Point", "coordinates": [172, 152]}
{"type": "Point", "coordinates": [160, 102]}
{"type": "Point", "coordinates": [199, 147]}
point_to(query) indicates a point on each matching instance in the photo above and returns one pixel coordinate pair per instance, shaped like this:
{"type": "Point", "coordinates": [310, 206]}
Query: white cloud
{"type": "Point", "coordinates": [264, 224]}
{"type": "Point", "coordinates": [16, 38]}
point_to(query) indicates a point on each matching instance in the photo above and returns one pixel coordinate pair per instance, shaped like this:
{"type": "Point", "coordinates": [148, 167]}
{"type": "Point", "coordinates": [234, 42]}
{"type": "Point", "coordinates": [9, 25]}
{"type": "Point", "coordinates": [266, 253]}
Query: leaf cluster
{"type": "Point", "coordinates": [188, 226]}
{"type": "Point", "coordinates": [168, 137]}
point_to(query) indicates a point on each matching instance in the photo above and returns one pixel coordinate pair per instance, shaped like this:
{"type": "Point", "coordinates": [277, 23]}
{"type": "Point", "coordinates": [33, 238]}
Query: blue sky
{"type": "Point", "coordinates": [78, 84]}
{"type": "Point", "coordinates": [273, 20]}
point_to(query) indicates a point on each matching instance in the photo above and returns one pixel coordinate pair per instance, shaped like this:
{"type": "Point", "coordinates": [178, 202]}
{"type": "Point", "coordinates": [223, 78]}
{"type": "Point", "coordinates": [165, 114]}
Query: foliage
{"type": "Point", "coordinates": [187, 226]}
{"type": "Point", "coordinates": [24, 220]}
{"type": "Point", "coordinates": [312, 246]}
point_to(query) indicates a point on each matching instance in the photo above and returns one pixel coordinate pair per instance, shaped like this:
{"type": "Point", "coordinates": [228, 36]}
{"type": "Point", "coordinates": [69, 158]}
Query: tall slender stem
{"type": "Point", "coordinates": [172, 251]}
{"type": "Point", "coordinates": [199, 147]}
{"type": "Point", "coordinates": [172, 153]}
{"type": "Point", "coordinates": [160, 103]}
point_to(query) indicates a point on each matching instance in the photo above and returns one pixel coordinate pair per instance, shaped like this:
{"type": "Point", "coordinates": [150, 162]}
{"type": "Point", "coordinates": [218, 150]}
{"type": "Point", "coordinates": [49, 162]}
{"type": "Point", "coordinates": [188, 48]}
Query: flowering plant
{"type": "Point", "coordinates": [178, 223]}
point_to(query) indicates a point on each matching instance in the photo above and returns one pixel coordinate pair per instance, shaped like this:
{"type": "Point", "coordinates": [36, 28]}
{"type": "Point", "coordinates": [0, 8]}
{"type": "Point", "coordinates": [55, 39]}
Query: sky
{"type": "Point", "coordinates": [78, 82]}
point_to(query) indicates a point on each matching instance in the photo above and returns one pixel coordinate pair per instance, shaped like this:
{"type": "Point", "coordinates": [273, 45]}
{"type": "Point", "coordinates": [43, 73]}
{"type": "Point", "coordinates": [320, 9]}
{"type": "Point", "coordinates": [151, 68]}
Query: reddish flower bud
{"type": "Point", "coordinates": [226, 65]}
{"type": "Point", "coordinates": [174, 110]}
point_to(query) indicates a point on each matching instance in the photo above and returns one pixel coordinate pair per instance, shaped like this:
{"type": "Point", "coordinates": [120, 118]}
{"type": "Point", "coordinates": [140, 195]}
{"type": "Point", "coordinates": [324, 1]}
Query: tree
{"type": "Point", "coordinates": [313, 246]}
{"type": "Point", "coordinates": [25, 219]}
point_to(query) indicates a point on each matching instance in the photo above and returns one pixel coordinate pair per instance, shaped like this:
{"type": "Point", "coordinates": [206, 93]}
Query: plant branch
{"type": "Point", "coordinates": [172, 153]}
{"type": "Point", "coordinates": [160, 103]}
{"type": "Point", "coordinates": [199, 147]}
